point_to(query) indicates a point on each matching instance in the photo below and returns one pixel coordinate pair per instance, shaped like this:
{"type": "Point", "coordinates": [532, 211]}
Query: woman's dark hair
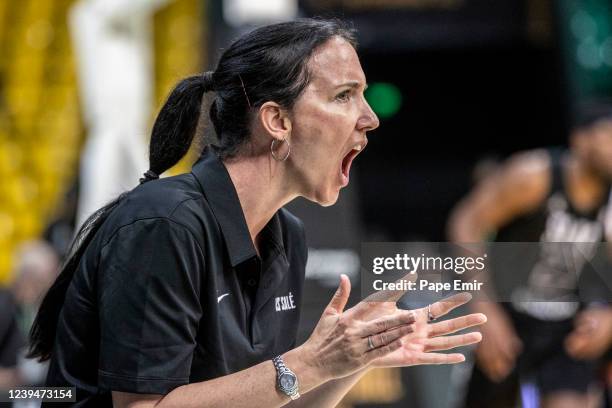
{"type": "Point", "coordinates": [267, 64]}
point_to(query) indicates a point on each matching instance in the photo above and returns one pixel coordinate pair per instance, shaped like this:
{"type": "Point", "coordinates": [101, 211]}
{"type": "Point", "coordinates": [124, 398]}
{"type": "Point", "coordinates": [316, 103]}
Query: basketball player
{"type": "Point", "coordinates": [545, 195]}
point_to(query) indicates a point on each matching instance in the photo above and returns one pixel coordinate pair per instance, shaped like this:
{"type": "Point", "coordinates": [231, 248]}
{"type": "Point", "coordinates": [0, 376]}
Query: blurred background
{"type": "Point", "coordinates": [458, 86]}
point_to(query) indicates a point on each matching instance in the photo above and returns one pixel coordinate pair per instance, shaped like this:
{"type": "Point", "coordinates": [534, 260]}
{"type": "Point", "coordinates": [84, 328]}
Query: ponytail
{"type": "Point", "coordinates": [176, 123]}
{"type": "Point", "coordinates": [171, 138]}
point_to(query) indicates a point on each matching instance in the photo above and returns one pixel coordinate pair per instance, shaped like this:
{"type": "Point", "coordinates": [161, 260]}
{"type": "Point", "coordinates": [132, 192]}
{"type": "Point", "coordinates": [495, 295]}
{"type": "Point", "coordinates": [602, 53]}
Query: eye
{"type": "Point", "coordinates": [344, 96]}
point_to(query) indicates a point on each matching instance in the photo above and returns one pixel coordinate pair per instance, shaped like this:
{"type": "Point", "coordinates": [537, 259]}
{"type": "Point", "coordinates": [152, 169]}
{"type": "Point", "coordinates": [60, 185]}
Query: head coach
{"type": "Point", "coordinates": [186, 291]}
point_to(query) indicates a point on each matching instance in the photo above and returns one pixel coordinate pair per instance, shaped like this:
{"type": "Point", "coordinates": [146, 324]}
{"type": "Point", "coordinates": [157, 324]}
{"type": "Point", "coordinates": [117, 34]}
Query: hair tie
{"type": "Point", "coordinates": [208, 81]}
{"type": "Point", "coordinates": [148, 176]}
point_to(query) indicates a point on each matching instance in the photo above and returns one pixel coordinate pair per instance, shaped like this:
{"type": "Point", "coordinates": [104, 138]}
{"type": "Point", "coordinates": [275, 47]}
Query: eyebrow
{"type": "Point", "coordinates": [352, 84]}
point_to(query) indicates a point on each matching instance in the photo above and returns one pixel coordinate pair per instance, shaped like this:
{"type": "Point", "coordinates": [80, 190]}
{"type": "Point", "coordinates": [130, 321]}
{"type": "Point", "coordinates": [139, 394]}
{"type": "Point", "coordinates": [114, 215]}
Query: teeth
{"type": "Point", "coordinates": [357, 147]}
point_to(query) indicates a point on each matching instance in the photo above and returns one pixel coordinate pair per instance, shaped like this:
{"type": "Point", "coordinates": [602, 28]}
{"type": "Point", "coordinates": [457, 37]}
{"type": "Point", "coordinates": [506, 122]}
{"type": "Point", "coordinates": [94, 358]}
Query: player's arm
{"type": "Point", "coordinates": [518, 187]}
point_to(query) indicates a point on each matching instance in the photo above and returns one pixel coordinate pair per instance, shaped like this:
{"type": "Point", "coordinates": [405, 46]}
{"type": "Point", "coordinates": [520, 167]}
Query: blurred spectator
{"type": "Point", "coordinates": [60, 231]}
{"type": "Point", "coordinates": [542, 196]}
{"type": "Point", "coordinates": [113, 44]}
{"type": "Point", "coordinates": [35, 269]}
{"type": "Point", "coordinates": [11, 341]}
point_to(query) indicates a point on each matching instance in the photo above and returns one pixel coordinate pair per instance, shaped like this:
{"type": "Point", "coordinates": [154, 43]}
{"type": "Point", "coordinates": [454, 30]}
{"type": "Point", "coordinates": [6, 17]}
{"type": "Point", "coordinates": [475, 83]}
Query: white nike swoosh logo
{"type": "Point", "coordinates": [221, 297]}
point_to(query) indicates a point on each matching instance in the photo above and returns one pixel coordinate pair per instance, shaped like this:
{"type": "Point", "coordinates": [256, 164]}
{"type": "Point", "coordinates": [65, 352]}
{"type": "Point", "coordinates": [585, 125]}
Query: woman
{"type": "Point", "coordinates": [182, 291]}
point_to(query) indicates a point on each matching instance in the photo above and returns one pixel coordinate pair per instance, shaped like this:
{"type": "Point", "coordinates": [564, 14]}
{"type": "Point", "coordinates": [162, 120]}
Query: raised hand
{"type": "Point", "coordinates": [343, 343]}
{"type": "Point", "coordinates": [377, 333]}
{"type": "Point", "coordinates": [420, 346]}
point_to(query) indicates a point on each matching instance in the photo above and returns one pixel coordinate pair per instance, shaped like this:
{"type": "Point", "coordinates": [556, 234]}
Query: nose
{"type": "Point", "coordinates": [368, 120]}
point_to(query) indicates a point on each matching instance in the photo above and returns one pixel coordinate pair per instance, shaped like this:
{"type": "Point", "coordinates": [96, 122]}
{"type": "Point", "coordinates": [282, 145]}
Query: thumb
{"type": "Point", "coordinates": [338, 301]}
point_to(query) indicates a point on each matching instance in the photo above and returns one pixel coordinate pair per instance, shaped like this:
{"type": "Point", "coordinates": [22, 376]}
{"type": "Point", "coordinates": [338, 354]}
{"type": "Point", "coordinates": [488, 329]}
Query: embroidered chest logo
{"type": "Point", "coordinates": [282, 303]}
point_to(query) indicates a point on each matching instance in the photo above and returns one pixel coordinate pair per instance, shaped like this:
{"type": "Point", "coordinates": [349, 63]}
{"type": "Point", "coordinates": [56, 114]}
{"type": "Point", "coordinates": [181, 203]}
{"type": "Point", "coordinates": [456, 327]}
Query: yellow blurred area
{"type": "Point", "coordinates": [380, 385]}
{"type": "Point", "coordinates": [41, 133]}
{"type": "Point", "coordinates": [180, 50]}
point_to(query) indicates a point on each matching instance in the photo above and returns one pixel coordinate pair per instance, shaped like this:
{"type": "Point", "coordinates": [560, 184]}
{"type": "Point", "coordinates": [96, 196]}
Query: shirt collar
{"type": "Point", "coordinates": [222, 197]}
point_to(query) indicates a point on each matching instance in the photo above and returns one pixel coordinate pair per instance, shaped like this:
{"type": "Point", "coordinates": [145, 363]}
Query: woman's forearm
{"type": "Point", "coordinates": [253, 387]}
{"type": "Point", "coordinates": [330, 393]}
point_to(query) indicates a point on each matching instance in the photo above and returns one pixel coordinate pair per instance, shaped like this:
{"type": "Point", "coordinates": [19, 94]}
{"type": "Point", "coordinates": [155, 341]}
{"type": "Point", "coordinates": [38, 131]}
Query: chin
{"type": "Point", "coordinates": [327, 198]}
{"type": "Point", "coordinates": [329, 203]}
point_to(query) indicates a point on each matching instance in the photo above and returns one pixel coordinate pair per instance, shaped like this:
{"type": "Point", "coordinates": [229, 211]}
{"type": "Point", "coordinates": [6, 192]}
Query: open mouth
{"type": "Point", "coordinates": [347, 161]}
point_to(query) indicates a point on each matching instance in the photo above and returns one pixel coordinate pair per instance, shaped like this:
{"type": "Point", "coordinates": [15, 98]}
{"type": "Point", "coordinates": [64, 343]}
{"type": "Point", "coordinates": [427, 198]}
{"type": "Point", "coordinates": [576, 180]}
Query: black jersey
{"type": "Point", "coordinates": [555, 221]}
{"type": "Point", "coordinates": [171, 291]}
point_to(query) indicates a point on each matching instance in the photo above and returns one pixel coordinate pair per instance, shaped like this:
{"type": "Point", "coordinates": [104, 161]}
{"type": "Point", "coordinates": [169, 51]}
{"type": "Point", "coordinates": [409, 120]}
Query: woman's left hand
{"type": "Point", "coordinates": [420, 346]}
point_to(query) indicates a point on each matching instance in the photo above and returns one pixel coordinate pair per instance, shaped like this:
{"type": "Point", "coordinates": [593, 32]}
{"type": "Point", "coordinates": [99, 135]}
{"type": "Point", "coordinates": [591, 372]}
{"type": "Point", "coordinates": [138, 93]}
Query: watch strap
{"type": "Point", "coordinates": [281, 368]}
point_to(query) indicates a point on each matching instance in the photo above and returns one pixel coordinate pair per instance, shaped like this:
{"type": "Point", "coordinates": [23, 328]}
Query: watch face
{"type": "Point", "coordinates": [287, 381]}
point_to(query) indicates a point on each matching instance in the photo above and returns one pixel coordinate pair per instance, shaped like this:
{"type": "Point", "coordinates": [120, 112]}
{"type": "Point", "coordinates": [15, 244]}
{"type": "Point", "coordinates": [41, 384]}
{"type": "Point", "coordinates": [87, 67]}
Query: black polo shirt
{"type": "Point", "coordinates": [171, 291]}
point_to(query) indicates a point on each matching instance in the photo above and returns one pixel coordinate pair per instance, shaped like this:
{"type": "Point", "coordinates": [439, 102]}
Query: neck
{"type": "Point", "coordinates": [262, 189]}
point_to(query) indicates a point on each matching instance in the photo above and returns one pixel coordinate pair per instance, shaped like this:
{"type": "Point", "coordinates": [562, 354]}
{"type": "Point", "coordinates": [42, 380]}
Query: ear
{"type": "Point", "coordinates": [275, 120]}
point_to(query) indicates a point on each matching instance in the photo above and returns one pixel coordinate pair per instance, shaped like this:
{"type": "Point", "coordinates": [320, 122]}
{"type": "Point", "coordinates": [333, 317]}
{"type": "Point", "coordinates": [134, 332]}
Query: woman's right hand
{"type": "Point", "coordinates": [339, 345]}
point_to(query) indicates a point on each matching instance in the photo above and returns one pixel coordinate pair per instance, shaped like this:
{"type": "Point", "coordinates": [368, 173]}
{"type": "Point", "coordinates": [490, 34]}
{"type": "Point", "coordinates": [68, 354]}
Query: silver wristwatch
{"type": "Point", "coordinates": [286, 380]}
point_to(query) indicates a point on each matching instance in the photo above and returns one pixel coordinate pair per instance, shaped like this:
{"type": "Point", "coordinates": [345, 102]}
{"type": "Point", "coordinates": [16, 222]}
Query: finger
{"type": "Point", "coordinates": [440, 358]}
{"type": "Point", "coordinates": [442, 307]}
{"type": "Point", "coordinates": [387, 337]}
{"type": "Point", "coordinates": [456, 324]}
{"type": "Point", "coordinates": [392, 295]}
{"type": "Point", "coordinates": [338, 301]}
{"type": "Point", "coordinates": [450, 342]}
{"type": "Point", "coordinates": [383, 351]}
{"type": "Point", "coordinates": [387, 322]}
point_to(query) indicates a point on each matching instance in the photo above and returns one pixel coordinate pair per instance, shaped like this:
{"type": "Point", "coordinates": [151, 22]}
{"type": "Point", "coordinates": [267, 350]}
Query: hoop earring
{"type": "Point", "coordinates": [274, 154]}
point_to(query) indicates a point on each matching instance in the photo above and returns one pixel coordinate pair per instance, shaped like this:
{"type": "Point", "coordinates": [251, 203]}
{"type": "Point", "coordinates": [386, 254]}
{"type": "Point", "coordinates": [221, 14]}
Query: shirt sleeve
{"type": "Point", "coordinates": [150, 274]}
